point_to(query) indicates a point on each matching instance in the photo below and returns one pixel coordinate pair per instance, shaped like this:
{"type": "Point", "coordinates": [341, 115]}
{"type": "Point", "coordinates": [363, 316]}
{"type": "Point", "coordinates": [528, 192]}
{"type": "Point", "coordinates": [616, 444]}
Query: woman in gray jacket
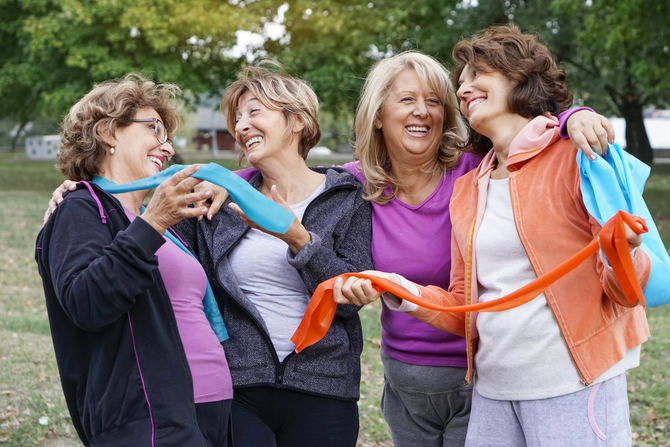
{"type": "Point", "coordinates": [264, 281]}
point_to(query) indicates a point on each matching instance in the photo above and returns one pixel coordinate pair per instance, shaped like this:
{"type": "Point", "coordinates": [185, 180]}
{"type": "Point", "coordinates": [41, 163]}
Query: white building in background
{"type": "Point", "coordinates": [658, 130]}
{"type": "Point", "coordinates": [43, 147]}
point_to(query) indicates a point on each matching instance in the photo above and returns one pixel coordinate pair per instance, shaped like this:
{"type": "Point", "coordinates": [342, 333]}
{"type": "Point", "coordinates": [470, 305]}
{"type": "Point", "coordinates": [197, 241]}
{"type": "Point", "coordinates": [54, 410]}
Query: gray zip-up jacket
{"type": "Point", "coordinates": [339, 222]}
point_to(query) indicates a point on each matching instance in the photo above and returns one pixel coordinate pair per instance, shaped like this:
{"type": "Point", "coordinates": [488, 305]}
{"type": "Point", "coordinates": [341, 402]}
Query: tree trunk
{"type": "Point", "coordinates": [15, 138]}
{"type": "Point", "coordinates": [637, 140]}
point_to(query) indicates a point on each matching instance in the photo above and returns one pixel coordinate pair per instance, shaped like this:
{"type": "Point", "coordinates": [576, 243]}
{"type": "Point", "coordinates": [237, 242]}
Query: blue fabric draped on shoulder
{"type": "Point", "coordinates": [616, 182]}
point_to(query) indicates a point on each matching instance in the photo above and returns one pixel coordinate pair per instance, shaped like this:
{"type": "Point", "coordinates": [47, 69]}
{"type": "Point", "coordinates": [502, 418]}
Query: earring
{"type": "Point", "coordinates": [112, 150]}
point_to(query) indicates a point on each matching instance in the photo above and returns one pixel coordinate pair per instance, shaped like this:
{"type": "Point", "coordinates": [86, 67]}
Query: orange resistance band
{"type": "Point", "coordinates": [321, 309]}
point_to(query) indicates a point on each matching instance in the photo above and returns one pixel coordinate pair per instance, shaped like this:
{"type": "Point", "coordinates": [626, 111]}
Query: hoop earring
{"type": "Point", "coordinates": [112, 150]}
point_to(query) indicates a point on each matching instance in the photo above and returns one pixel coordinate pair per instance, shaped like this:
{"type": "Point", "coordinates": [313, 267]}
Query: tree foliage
{"type": "Point", "coordinates": [615, 53]}
{"type": "Point", "coordinates": [53, 51]}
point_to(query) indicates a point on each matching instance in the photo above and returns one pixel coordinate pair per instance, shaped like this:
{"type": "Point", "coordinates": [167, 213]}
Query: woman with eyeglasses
{"type": "Point", "coordinates": [139, 362]}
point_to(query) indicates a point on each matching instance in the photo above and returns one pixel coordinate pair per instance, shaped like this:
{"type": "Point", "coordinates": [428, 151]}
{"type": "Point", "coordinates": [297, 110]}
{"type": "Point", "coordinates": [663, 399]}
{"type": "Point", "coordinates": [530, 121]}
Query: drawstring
{"type": "Point", "coordinates": [103, 218]}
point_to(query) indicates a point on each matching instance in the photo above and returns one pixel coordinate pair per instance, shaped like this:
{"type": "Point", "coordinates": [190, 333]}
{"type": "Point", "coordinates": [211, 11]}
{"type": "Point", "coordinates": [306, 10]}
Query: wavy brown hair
{"type": "Point", "coordinates": [107, 107]}
{"type": "Point", "coordinates": [540, 84]}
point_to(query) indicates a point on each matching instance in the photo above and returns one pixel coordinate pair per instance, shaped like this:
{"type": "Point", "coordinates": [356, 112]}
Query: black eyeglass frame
{"type": "Point", "coordinates": [153, 120]}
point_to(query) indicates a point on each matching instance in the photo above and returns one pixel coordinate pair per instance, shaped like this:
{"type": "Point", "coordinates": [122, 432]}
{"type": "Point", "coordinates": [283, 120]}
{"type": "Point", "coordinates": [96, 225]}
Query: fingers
{"type": "Point", "coordinates": [235, 207]}
{"type": "Point", "coordinates": [198, 198]}
{"type": "Point", "coordinates": [182, 175]}
{"type": "Point", "coordinates": [274, 194]}
{"type": "Point", "coordinates": [600, 135]}
{"type": "Point", "coordinates": [57, 198]}
{"type": "Point", "coordinates": [609, 128]}
{"type": "Point", "coordinates": [590, 132]}
{"type": "Point", "coordinates": [47, 215]}
{"type": "Point", "coordinates": [355, 291]}
{"type": "Point", "coordinates": [634, 239]}
{"type": "Point", "coordinates": [219, 196]}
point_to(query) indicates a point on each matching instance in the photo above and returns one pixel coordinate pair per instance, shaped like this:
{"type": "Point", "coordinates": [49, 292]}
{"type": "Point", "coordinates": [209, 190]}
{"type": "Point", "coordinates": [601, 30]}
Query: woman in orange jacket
{"type": "Point", "coordinates": [552, 371]}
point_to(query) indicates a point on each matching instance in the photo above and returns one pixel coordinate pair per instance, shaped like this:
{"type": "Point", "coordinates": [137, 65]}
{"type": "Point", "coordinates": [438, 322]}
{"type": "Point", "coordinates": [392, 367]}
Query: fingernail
{"type": "Point", "coordinates": [592, 156]}
{"type": "Point", "coordinates": [338, 281]}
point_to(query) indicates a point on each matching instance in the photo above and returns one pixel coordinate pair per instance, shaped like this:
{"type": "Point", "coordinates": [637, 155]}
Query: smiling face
{"type": "Point", "coordinates": [412, 118]}
{"type": "Point", "coordinates": [262, 132]}
{"type": "Point", "coordinates": [483, 97]}
{"type": "Point", "coordinates": [138, 153]}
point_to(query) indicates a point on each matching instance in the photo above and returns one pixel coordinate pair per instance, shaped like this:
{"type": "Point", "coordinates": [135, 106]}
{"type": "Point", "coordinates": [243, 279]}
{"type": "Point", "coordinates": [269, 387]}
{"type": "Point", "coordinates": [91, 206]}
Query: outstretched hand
{"type": "Point", "coordinates": [296, 236]}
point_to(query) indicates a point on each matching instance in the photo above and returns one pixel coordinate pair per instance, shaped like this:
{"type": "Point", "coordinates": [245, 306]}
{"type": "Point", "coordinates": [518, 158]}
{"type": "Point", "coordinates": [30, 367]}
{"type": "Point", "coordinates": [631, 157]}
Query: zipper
{"type": "Point", "coordinates": [468, 299]}
{"type": "Point", "coordinates": [560, 330]}
{"type": "Point", "coordinates": [257, 323]}
{"type": "Point", "coordinates": [280, 367]}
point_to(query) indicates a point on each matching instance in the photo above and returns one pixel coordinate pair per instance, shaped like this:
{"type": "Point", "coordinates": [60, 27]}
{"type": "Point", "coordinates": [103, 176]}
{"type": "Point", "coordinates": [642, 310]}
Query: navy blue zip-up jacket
{"type": "Point", "coordinates": [123, 369]}
{"type": "Point", "coordinates": [339, 221]}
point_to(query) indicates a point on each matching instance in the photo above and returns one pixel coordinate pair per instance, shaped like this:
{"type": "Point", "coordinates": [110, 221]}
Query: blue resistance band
{"type": "Point", "coordinates": [265, 212]}
{"type": "Point", "coordinates": [616, 182]}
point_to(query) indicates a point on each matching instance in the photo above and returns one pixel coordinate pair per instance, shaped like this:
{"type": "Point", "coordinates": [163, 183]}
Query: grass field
{"type": "Point", "coordinates": [32, 408]}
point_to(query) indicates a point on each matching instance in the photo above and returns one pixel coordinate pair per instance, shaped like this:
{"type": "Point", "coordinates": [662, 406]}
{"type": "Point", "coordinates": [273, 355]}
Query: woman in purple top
{"type": "Point", "coordinates": [409, 142]}
{"type": "Point", "coordinates": [138, 360]}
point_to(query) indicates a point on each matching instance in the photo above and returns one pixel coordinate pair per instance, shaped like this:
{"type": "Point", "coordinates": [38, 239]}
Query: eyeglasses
{"type": "Point", "coordinates": [159, 129]}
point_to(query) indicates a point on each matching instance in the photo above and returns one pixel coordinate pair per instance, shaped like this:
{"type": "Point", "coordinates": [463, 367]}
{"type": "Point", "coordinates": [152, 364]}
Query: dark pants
{"type": "Point", "coordinates": [214, 422]}
{"type": "Point", "coordinates": [268, 417]}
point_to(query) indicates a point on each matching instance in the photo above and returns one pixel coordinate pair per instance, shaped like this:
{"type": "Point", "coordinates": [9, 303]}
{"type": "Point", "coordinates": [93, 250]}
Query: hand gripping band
{"type": "Point", "coordinates": [612, 236]}
{"type": "Point", "coordinates": [265, 212]}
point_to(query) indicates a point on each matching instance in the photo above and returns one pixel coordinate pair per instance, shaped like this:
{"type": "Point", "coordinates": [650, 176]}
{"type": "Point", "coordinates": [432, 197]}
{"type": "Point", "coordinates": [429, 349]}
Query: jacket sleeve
{"type": "Point", "coordinates": [317, 261]}
{"type": "Point", "coordinates": [453, 322]}
{"type": "Point", "coordinates": [97, 278]}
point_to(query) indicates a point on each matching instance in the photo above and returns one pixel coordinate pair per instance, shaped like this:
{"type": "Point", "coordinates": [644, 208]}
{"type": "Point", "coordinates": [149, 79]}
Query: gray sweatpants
{"type": "Point", "coordinates": [595, 416]}
{"type": "Point", "coordinates": [425, 406]}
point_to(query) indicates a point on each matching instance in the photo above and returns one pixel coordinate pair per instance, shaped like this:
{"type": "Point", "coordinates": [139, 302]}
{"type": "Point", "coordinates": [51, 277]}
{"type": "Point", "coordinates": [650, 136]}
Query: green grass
{"type": "Point", "coordinates": [29, 383]}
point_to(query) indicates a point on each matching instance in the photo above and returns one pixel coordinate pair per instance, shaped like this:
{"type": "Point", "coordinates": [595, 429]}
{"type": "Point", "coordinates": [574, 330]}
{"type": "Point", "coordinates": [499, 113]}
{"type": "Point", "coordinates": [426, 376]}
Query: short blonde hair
{"type": "Point", "coordinates": [369, 145]}
{"type": "Point", "coordinates": [292, 96]}
{"type": "Point", "coordinates": [107, 107]}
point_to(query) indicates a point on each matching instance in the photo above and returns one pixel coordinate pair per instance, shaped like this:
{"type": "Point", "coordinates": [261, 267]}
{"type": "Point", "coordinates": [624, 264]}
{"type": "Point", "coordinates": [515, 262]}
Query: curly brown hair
{"type": "Point", "coordinates": [107, 107]}
{"type": "Point", "coordinates": [540, 84]}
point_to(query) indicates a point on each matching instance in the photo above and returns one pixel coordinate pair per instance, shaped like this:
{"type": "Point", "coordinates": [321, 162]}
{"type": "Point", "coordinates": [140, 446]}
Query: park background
{"type": "Point", "coordinates": [52, 52]}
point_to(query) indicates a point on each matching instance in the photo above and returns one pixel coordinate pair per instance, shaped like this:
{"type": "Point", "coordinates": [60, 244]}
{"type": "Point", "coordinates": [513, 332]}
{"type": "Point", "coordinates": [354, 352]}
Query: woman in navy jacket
{"type": "Point", "coordinates": [139, 363]}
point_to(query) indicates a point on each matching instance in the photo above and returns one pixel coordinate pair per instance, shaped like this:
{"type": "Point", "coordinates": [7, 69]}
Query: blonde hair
{"type": "Point", "coordinates": [108, 106]}
{"type": "Point", "coordinates": [369, 145]}
{"type": "Point", "coordinates": [292, 96]}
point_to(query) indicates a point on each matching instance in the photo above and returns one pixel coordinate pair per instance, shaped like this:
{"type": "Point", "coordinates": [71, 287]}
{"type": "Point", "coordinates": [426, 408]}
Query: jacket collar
{"type": "Point", "coordinates": [535, 136]}
{"type": "Point", "coordinates": [335, 176]}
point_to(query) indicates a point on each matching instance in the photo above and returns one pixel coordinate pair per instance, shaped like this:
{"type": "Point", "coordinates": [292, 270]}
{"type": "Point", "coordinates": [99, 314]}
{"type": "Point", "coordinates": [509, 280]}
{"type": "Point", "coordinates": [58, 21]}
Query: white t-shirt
{"type": "Point", "coordinates": [260, 264]}
{"type": "Point", "coordinates": [521, 353]}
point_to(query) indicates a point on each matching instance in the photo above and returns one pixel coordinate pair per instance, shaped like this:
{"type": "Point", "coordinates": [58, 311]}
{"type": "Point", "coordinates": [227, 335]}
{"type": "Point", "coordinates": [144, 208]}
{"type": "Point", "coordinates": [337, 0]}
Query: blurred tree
{"type": "Point", "coordinates": [617, 56]}
{"type": "Point", "coordinates": [53, 51]}
{"type": "Point", "coordinates": [615, 53]}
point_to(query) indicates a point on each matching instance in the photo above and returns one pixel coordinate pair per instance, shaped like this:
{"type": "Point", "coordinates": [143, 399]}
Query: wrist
{"type": "Point", "coordinates": [155, 224]}
{"type": "Point", "coordinates": [297, 237]}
